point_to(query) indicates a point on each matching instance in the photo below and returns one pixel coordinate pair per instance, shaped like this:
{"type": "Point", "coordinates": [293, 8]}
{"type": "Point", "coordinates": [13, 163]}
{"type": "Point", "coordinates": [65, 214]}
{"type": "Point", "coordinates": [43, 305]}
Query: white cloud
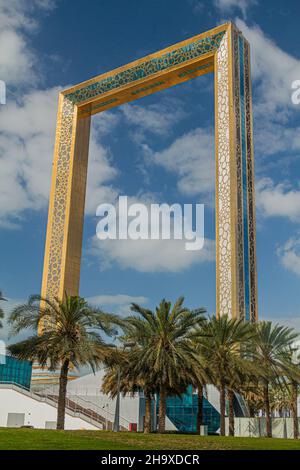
{"type": "Point", "coordinates": [26, 153]}
{"type": "Point", "coordinates": [273, 137]}
{"type": "Point", "coordinates": [150, 255]}
{"type": "Point", "coordinates": [17, 60]}
{"type": "Point", "coordinates": [278, 200]}
{"type": "Point", "coordinates": [291, 321]}
{"type": "Point", "coordinates": [226, 6]}
{"type": "Point", "coordinates": [118, 303]}
{"type": "Point", "coordinates": [289, 255]}
{"type": "Point", "coordinates": [27, 126]}
{"type": "Point", "coordinates": [191, 157]}
{"type": "Point", "coordinates": [273, 71]}
{"type": "Point", "coordinates": [26, 150]}
{"type": "Point", "coordinates": [5, 331]}
{"type": "Point", "coordinates": [156, 119]}
{"type": "Point", "coordinates": [101, 171]}
{"type": "Point", "coordinates": [145, 122]}
{"type": "Point", "coordinates": [16, 63]}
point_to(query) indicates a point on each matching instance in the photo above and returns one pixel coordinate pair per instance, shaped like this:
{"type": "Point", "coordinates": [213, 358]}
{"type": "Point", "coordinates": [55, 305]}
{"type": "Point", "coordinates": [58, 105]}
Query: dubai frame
{"type": "Point", "coordinates": [222, 50]}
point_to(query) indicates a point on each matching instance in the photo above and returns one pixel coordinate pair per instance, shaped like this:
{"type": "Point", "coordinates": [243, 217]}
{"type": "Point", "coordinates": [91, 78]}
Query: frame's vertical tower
{"type": "Point", "coordinates": [66, 207]}
{"type": "Point", "coordinates": [235, 204]}
{"type": "Point", "coordinates": [222, 50]}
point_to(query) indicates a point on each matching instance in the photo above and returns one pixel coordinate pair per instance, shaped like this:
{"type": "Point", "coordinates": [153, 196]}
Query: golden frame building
{"type": "Point", "coordinates": [222, 50]}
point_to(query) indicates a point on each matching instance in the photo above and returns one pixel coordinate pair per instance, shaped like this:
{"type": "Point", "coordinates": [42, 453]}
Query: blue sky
{"type": "Point", "coordinates": [159, 148]}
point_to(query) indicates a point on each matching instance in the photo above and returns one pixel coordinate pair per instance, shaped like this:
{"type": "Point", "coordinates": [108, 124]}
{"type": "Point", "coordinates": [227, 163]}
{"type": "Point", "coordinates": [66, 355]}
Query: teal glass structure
{"type": "Point", "coordinates": [13, 371]}
{"type": "Point", "coordinates": [182, 412]}
{"type": "Point", "coordinates": [245, 235]}
{"type": "Point", "coordinates": [244, 181]}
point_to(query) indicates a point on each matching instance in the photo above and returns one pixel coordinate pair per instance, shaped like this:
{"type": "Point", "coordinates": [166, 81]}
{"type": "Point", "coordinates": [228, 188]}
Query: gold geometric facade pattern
{"type": "Point", "coordinates": [223, 206]}
{"type": "Point", "coordinates": [222, 50]}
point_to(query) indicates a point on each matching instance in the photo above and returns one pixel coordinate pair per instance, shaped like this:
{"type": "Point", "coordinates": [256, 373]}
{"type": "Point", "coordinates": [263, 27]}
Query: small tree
{"type": "Point", "coordinates": [221, 347]}
{"type": "Point", "coordinates": [271, 350]}
{"type": "Point", "coordinates": [69, 337]}
{"type": "Point", "coordinates": [165, 356]}
{"type": "Point", "coordinates": [201, 373]}
{"type": "Point", "coordinates": [122, 368]}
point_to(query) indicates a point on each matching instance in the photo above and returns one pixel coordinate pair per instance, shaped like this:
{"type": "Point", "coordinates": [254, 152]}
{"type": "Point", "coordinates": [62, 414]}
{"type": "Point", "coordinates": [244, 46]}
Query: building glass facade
{"type": "Point", "coordinates": [244, 180]}
{"type": "Point", "coordinates": [15, 372]}
{"type": "Point", "coordinates": [182, 412]}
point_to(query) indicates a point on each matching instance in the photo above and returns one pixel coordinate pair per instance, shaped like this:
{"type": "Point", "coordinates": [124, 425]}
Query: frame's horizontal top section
{"type": "Point", "coordinates": [164, 60]}
{"type": "Point", "coordinates": [147, 86]}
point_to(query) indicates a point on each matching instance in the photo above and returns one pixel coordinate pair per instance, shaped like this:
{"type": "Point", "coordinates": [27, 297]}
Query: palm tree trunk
{"type": "Point", "coordinates": [162, 410]}
{"type": "Point", "coordinates": [200, 408]}
{"type": "Point", "coordinates": [267, 408]}
{"type": "Point", "coordinates": [222, 409]}
{"type": "Point", "coordinates": [294, 409]}
{"type": "Point", "coordinates": [251, 410]}
{"type": "Point", "coordinates": [148, 423]}
{"type": "Point", "coordinates": [231, 412]}
{"type": "Point", "coordinates": [61, 406]}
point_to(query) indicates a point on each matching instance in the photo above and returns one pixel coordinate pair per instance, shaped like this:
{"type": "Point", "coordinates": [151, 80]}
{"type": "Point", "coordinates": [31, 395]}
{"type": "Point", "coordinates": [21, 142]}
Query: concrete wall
{"type": "Point", "coordinates": [256, 427]}
{"type": "Point", "coordinates": [36, 412]}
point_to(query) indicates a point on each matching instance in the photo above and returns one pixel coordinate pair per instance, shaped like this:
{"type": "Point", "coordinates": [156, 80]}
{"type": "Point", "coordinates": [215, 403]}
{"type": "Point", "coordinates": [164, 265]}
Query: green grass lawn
{"type": "Point", "coordinates": [34, 439]}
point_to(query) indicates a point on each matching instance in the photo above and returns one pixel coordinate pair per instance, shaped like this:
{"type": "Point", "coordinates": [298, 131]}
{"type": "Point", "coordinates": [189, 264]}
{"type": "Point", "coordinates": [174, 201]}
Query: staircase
{"type": "Point", "coordinates": [73, 406]}
{"type": "Point", "coordinates": [84, 407]}
{"type": "Point", "coordinates": [88, 412]}
{"type": "Point", "coordinates": [84, 410]}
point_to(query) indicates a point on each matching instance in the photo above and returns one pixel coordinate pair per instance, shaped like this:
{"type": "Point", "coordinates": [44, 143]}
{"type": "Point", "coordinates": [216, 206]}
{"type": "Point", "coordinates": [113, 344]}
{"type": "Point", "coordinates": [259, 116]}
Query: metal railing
{"type": "Point", "coordinates": [71, 408]}
{"type": "Point", "coordinates": [76, 405]}
{"type": "Point", "coordinates": [109, 415]}
{"type": "Point", "coordinates": [80, 403]}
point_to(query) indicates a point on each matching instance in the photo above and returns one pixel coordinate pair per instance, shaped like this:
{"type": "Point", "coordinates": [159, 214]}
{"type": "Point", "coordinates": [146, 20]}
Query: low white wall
{"type": "Point", "coordinates": [36, 412]}
{"type": "Point", "coordinates": [256, 427]}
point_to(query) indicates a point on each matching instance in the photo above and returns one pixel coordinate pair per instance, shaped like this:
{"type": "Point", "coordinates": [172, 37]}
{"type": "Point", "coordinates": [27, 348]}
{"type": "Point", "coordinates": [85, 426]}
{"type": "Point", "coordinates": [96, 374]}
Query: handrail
{"type": "Point", "coordinates": [98, 408]}
{"type": "Point", "coordinates": [82, 413]}
{"type": "Point", "coordinates": [86, 404]}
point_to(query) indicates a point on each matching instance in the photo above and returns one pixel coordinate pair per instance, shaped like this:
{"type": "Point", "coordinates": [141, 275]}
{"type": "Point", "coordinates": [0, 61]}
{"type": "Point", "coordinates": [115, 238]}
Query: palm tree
{"type": "Point", "coordinates": [165, 357]}
{"type": "Point", "coordinates": [221, 347]}
{"type": "Point", "coordinates": [271, 349]}
{"type": "Point", "coordinates": [201, 375]}
{"type": "Point", "coordinates": [69, 338]}
{"type": "Point", "coordinates": [122, 369]}
{"type": "Point", "coordinates": [294, 406]}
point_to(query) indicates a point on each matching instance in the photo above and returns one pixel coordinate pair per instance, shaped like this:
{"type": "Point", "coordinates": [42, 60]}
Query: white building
{"type": "Point", "coordinates": [20, 407]}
